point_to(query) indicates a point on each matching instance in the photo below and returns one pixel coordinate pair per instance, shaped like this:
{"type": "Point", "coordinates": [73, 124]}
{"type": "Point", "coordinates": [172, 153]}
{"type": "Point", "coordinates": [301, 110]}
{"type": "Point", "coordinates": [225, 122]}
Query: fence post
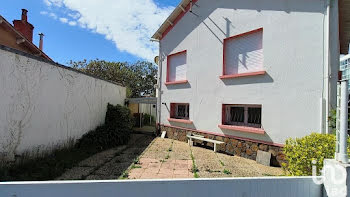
{"type": "Point", "coordinates": [343, 117]}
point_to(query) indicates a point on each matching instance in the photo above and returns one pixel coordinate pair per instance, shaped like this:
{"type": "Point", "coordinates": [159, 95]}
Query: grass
{"type": "Point", "coordinates": [194, 167]}
{"type": "Point", "coordinates": [133, 166]}
{"type": "Point", "coordinates": [227, 172]}
{"type": "Point", "coordinates": [125, 175]}
{"type": "Point", "coordinates": [169, 150]}
{"type": "Point", "coordinates": [222, 163]}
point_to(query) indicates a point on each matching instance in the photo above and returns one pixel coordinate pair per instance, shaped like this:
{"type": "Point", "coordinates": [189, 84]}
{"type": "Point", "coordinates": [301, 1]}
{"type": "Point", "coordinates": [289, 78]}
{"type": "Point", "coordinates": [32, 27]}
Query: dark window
{"type": "Point", "coordinates": [243, 115]}
{"type": "Point", "coordinates": [237, 114]}
{"type": "Point", "coordinates": [180, 111]}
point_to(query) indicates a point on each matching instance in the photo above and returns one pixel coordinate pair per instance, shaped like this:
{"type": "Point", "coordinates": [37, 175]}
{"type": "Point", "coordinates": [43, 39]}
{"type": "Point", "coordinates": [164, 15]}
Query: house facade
{"type": "Point", "coordinates": [345, 67]}
{"type": "Point", "coordinates": [251, 73]}
{"type": "Point", "coordinates": [19, 36]}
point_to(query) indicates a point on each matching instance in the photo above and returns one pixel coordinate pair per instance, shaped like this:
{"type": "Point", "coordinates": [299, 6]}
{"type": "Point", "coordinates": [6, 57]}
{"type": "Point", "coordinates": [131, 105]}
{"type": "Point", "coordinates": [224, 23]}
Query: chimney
{"type": "Point", "coordinates": [25, 28]}
{"type": "Point", "coordinates": [24, 15]}
{"type": "Point", "coordinates": [41, 41]}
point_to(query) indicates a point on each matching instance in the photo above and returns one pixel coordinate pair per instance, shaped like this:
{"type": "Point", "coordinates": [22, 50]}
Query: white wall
{"type": "Point", "coordinates": [291, 91]}
{"type": "Point", "coordinates": [43, 105]}
{"type": "Point", "coordinates": [235, 187]}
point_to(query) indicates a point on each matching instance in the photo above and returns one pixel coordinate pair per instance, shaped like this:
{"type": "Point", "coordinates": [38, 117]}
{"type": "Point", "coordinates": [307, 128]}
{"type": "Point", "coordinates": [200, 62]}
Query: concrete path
{"type": "Point", "coordinates": [109, 164]}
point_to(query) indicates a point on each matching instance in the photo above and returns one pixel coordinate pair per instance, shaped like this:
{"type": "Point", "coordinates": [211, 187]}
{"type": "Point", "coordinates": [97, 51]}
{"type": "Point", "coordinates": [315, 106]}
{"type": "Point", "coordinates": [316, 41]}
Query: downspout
{"type": "Point", "coordinates": [159, 84]}
{"type": "Point", "coordinates": [326, 65]}
{"type": "Point", "coordinates": [160, 74]}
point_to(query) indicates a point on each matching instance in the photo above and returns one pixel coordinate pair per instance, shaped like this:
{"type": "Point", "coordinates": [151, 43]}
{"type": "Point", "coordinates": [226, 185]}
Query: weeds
{"type": "Point", "coordinates": [194, 169]}
{"type": "Point", "coordinates": [227, 172]}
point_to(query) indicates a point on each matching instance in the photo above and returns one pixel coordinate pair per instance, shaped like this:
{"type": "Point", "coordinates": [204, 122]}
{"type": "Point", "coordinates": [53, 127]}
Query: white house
{"type": "Point", "coordinates": [250, 72]}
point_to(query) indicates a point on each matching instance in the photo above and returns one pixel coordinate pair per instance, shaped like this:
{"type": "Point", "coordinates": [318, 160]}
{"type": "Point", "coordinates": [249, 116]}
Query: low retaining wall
{"type": "Point", "coordinates": [235, 187]}
{"type": "Point", "coordinates": [232, 146]}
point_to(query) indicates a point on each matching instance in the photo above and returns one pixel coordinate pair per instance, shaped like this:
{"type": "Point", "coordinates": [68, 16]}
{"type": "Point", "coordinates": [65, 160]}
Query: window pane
{"type": "Point", "coordinates": [183, 111]}
{"type": "Point", "coordinates": [237, 114]}
{"type": "Point", "coordinates": [244, 54]}
{"type": "Point", "coordinates": [254, 115]}
{"type": "Point", "coordinates": [177, 67]}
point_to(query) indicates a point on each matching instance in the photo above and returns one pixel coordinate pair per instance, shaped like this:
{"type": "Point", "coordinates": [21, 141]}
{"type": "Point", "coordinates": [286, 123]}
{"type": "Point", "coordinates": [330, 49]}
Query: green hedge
{"type": "Point", "coordinates": [116, 130]}
{"type": "Point", "coordinates": [300, 153]}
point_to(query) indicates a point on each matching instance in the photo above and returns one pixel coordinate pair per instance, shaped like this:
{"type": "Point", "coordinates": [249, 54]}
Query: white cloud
{"type": "Point", "coordinates": [64, 20]}
{"type": "Point", "coordinates": [53, 15]}
{"type": "Point", "coordinates": [44, 13]}
{"type": "Point", "coordinates": [72, 23]}
{"type": "Point", "coordinates": [57, 3]}
{"type": "Point", "coordinates": [128, 23]}
{"type": "Point", "coordinates": [74, 15]}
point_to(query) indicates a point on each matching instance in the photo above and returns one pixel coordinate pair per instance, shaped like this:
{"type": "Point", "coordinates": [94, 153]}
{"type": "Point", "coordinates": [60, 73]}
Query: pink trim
{"type": "Point", "coordinates": [229, 136]}
{"type": "Point", "coordinates": [176, 82]}
{"type": "Point", "coordinates": [178, 18]}
{"type": "Point", "coordinates": [180, 120]}
{"type": "Point", "coordinates": [232, 37]}
{"type": "Point", "coordinates": [168, 65]}
{"type": "Point", "coordinates": [243, 129]}
{"type": "Point", "coordinates": [243, 75]}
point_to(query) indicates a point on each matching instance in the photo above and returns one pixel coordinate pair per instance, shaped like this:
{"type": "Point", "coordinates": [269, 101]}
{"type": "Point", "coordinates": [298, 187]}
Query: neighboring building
{"type": "Point", "coordinates": [345, 67]}
{"type": "Point", "coordinates": [250, 72]}
{"type": "Point", "coordinates": [20, 36]}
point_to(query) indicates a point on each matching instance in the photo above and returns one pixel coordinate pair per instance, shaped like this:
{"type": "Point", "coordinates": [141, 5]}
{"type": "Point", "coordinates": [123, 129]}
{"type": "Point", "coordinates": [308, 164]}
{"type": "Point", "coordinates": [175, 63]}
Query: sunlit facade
{"type": "Point", "coordinates": [345, 67]}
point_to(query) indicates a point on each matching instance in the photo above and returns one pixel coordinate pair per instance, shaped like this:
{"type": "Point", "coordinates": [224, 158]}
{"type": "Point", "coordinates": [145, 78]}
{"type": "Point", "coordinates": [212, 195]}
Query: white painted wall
{"type": "Point", "coordinates": [148, 109]}
{"type": "Point", "coordinates": [235, 187]}
{"type": "Point", "coordinates": [43, 105]}
{"type": "Point", "coordinates": [293, 47]}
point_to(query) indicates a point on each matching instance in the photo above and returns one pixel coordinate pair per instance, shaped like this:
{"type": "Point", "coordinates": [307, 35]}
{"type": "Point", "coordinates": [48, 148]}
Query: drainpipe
{"type": "Point", "coordinates": [343, 134]}
{"type": "Point", "coordinates": [326, 68]}
{"type": "Point", "coordinates": [160, 70]}
{"type": "Point", "coordinates": [159, 84]}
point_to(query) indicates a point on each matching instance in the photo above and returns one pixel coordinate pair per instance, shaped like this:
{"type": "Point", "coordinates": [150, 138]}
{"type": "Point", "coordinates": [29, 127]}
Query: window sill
{"type": "Point", "coordinates": [176, 82]}
{"type": "Point", "coordinates": [243, 129]}
{"type": "Point", "coordinates": [180, 120]}
{"type": "Point", "coordinates": [243, 75]}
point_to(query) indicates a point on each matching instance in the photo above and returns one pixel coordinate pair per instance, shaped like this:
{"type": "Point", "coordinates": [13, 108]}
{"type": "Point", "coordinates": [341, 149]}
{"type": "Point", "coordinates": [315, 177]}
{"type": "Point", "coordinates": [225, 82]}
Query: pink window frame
{"type": "Point", "coordinates": [226, 76]}
{"type": "Point", "coordinates": [168, 70]}
{"type": "Point", "coordinates": [172, 117]}
{"type": "Point", "coordinates": [246, 129]}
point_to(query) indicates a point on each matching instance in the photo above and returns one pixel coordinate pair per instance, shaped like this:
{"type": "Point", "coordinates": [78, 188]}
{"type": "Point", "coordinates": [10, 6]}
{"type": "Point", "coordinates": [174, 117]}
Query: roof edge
{"type": "Point", "coordinates": [178, 13]}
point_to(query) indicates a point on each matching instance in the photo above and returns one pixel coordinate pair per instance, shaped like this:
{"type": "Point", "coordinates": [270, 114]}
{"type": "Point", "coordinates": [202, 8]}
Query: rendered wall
{"type": "Point", "coordinates": [44, 105]}
{"type": "Point", "coordinates": [235, 187]}
{"type": "Point", "coordinates": [291, 90]}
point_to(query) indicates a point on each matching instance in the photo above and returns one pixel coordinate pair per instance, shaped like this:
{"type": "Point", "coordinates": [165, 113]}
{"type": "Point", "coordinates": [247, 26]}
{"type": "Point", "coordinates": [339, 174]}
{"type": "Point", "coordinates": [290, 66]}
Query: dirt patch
{"type": "Point", "coordinates": [165, 158]}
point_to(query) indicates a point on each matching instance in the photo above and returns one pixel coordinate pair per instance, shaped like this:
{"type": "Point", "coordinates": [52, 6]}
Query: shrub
{"type": "Point", "coordinates": [116, 130]}
{"type": "Point", "coordinates": [300, 153]}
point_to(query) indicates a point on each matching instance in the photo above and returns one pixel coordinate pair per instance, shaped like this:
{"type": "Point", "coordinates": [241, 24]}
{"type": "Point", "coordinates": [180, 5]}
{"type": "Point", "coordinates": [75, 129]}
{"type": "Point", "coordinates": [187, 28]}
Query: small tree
{"type": "Point", "coordinates": [139, 77]}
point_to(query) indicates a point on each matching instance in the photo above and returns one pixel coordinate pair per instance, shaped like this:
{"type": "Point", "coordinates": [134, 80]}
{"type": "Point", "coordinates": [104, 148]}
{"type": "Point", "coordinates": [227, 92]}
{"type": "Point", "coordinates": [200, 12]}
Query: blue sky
{"type": "Point", "coordinates": [113, 30]}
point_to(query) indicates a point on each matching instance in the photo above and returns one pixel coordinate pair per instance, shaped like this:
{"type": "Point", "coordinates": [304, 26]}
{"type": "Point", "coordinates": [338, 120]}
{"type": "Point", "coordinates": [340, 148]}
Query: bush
{"type": "Point", "coordinates": [116, 130]}
{"type": "Point", "coordinates": [300, 153]}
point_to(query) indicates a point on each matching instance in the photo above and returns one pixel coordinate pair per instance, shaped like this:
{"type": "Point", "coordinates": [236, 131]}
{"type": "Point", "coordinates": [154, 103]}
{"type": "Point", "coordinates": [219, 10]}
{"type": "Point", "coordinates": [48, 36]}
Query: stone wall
{"type": "Point", "coordinates": [242, 148]}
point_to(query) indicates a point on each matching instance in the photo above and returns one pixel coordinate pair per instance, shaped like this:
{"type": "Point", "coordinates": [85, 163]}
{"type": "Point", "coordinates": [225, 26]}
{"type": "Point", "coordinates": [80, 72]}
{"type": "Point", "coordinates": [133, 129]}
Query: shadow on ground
{"type": "Point", "coordinates": [109, 164]}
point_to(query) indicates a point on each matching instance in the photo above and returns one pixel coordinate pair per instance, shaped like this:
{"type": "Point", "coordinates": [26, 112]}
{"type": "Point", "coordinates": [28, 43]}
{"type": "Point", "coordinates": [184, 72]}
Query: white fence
{"type": "Point", "coordinates": [43, 104]}
{"type": "Point", "coordinates": [233, 187]}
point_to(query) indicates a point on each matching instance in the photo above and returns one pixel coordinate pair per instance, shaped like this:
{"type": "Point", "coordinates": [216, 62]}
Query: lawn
{"type": "Point", "coordinates": [167, 158]}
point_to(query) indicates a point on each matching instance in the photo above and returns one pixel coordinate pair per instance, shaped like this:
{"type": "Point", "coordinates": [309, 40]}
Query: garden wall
{"type": "Point", "coordinates": [44, 105]}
